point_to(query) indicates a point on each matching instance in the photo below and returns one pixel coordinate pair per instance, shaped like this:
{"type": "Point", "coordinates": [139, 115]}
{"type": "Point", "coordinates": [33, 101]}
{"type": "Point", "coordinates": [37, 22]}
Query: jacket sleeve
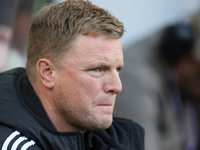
{"type": "Point", "coordinates": [14, 139]}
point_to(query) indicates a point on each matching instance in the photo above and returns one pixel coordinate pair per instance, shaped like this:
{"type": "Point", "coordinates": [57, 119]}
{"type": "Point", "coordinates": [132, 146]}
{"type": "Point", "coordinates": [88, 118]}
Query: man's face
{"type": "Point", "coordinates": [192, 81]}
{"type": "Point", "coordinates": [189, 74]}
{"type": "Point", "coordinates": [87, 84]}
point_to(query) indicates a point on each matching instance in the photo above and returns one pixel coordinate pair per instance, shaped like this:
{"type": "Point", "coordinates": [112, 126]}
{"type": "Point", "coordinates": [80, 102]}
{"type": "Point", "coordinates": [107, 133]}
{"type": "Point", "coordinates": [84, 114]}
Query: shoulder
{"type": "Point", "coordinates": [123, 134]}
{"type": "Point", "coordinates": [8, 89]}
{"type": "Point", "coordinates": [12, 139]}
{"type": "Point", "coordinates": [131, 130]}
{"type": "Point", "coordinates": [11, 75]}
{"type": "Point", "coordinates": [128, 124]}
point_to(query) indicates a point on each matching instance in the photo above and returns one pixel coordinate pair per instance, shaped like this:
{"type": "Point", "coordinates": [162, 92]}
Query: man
{"type": "Point", "coordinates": [177, 50]}
{"type": "Point", "coordinates": [65, 98]}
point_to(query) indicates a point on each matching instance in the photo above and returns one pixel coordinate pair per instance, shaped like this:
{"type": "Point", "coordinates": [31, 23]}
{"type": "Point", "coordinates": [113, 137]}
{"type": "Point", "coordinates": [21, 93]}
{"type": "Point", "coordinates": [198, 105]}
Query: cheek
{"type": "Point", "coordinates": [81, 87]}
{"type": "Point", "coordinates": [89, 92]}
{"type": "Point", "coordinates": [91, 87]}
{"type": "Point", "coordinates": [83, 95]}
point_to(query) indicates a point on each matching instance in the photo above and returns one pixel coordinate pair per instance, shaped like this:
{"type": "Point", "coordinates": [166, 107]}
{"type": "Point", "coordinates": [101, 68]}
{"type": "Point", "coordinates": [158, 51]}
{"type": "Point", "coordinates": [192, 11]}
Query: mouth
{"type": "Point", "coordinates": [104, 105]}
{"type": "Point", "coordinates": [105, 109]}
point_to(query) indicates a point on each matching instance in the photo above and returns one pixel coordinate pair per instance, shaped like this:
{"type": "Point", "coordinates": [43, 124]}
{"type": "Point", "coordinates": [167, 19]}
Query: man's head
{"type": "Point", "coordinates": [176, 41]}
{"type": "Point", "coordinates": [74, 57]}
{"type": "Point", "coordinates": [54, 28]}
{"type": "Point", "coordinates": [177, 48]}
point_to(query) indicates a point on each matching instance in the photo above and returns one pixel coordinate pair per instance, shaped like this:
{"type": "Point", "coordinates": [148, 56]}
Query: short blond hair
{"type": "Point", "coordinates": [55, 26]}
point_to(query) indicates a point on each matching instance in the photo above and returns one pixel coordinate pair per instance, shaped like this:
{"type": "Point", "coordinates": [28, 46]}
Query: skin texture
{"type": "Point", "coordinates": [80, 95]}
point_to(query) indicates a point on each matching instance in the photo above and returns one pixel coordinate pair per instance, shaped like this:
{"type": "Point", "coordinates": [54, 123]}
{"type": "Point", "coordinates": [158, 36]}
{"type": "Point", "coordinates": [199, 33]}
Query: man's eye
{"type": "Point", "coordinates": [95, 69]}
{"type": "Point", "coordinates": [119, 69]}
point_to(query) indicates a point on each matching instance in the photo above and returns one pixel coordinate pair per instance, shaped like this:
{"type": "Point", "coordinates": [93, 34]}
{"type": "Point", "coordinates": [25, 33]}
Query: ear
{"type": "Point", "coordinates": [46, 70]}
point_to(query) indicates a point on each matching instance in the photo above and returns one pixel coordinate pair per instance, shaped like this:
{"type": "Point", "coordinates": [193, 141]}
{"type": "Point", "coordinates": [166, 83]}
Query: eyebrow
{"type": "Point", "coordinates": [105, 65]}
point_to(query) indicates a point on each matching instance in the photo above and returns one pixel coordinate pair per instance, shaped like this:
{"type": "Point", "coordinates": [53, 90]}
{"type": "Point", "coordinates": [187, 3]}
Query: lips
{"type": "Point", "coordinates": [104, 105]}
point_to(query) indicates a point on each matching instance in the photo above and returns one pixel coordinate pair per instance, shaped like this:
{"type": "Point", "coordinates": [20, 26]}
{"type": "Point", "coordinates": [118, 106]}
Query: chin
{"type": "Point", "coordinates": [98, 123]}
{"type": "Point", "coordinates": [105, 122]}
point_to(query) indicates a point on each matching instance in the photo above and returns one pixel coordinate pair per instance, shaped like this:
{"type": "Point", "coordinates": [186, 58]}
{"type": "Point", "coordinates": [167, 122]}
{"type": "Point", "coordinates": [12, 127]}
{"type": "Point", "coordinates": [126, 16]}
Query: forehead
{"type": "Point", "coordinates": [96, 48]}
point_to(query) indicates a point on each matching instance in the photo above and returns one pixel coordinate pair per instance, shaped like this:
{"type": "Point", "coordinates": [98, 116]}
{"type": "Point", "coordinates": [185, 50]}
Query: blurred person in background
{"type": "Point", "coordinates": [160, 91]}
{"type": "Point", "coordinates": [21, 24]}
{"type": "Point", "coordinates": [23, 13]}
{"type": "Point", "coordinates": [195, 21]}
{"type": "Point", "coordinates": [15, 18]}
{"type": "Point", "coordinates": [176, 49]}
{"type": "Point", "coordinates": [7, 13]}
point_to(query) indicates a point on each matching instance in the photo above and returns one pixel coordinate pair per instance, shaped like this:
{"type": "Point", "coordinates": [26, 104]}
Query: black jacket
{"type": "Point", "coordinates": [25, 125]}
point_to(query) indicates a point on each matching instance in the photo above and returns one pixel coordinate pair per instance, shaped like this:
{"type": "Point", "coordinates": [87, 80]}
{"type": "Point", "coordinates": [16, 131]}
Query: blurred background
{"type": "Point", "coordinates": [161, 77]}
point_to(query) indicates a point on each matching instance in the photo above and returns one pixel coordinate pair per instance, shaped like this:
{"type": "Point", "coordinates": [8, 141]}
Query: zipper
{"type": "Point", "coordinates": [81, 141]}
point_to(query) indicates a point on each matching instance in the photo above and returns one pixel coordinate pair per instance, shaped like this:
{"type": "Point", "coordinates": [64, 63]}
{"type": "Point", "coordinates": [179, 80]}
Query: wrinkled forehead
{"type": "Point", "coordinates": [89, 48]}
{"type": "Point", "coordinates": [98, 44]}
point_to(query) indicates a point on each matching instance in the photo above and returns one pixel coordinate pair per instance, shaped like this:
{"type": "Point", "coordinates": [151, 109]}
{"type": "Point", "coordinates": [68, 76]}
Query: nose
{"type": "Point", "coordinates": [113, 83]}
